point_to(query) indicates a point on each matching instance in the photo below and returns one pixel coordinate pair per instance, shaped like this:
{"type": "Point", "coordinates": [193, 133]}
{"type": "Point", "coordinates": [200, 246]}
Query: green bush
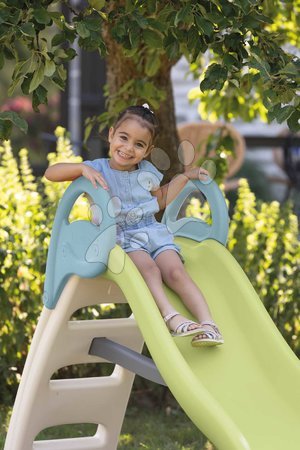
{"type": "Point", "coordinates": [269, 233]}
{"type": "Point", "coordinates": [26, 215]}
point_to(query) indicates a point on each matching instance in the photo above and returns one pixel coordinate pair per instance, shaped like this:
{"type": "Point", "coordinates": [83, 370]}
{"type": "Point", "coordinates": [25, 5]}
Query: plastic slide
{"type": "Point", "coordinates": [242, 395]}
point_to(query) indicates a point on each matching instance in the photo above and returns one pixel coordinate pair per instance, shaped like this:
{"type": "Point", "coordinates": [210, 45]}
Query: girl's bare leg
{"type": "Point", "coordinates": [152, 276]}
{"type": "Point", "coordinates": [175, 276]}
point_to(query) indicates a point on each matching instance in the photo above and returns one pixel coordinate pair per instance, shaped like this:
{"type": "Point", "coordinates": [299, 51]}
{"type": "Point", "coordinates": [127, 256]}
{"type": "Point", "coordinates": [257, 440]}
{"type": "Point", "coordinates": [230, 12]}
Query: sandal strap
{"type": "Point", "coordinates": [213, 325]}
{"type": "Point", "coordinates": [208, 334]}
{"type": "Point", "coordinates": [208, 323]}
{"type": "Point", "coordinates": [170, 316]}
{"type": "Point", "coordinates": [183, 327]}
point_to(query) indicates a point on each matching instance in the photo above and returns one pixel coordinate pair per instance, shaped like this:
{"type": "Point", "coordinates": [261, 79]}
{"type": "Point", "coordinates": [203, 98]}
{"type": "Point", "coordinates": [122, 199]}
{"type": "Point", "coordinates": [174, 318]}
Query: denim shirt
{"type": "Point", "coordinates": [133, 204]}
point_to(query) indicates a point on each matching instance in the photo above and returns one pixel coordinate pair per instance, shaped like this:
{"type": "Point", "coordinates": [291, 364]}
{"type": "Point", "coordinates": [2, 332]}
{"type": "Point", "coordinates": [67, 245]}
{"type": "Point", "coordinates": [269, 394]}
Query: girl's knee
{"type": "Point", "coordinates": [175, 274]}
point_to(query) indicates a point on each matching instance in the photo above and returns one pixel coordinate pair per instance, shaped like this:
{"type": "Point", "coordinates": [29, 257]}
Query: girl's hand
{"type": "Point", "coordinates": [94, 176]}
{"type": "Point", "coordinates": [197, 173]}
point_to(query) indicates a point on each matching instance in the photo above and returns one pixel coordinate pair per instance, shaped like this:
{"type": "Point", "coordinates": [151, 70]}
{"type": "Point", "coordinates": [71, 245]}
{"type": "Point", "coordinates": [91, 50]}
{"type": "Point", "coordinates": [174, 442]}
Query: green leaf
{"type": "Point", "coordinates": [171, 46]}
{"type": "Point", "coordinates": [87, 131]}
{"type": "Point", "coordinates": [15, 119]}
{"type": "Point", "coordinates": [230, 61]}
{"type": "Point", "coordinates": [192, 38]}
{"type": "Point", "coordinates": [151, 6]}
{"type": "Point", "coordinates": [118, 31]}
{"type": "Point", "coordinates": [284, 113]}
{"type": "Point", "coordinates": [38, 78]}
{"type": "Point", "coordinates": [27, 29]}
{"type": "Point", "coordinates": [290, 69]}
{"type": "Point", "coordinates": [260, 64]}
{"type": "Point", "coordinates": [164, 16]}
{"type": "Point", "coordinates": [97, 4]}
{"type": "Point", "coordinates": [62, 72]}
{"type": "Point", "coordinates": [184, 15]}
{"type": "Point", "coordinates": [58, 39]}
{"type": "Point", "coordinates": [204, 26]}
{"type": "Point", "coordinates": [134, 36]}
{"type": "Point", "coordinates": [50, 68]}
{"type": "Point", "coordinates": [70, 54]}
{"type": "Point", "coordinates": [234, 83]}
{"type": "Point", "coordinates": [287, 95]}
{"type": "Point", "coordinates": [18, 68]}
{"type": "Point", "coordinates": [82, 30]}
{"type": "Point", "coordinates": [129, 6]}
{"type": "Point", "coordinates": [269, 98]}
{"type": "Point", "coordinates": [26, 83]}
{"type": "Point", "coordinates": [59, 83]}
{"type": "Point", "coordinates": [9, 53]}
{"type": "Point", "coordinates": [5, 129]}
{"type": "Point", "coordinates": [58, 19]}
{"type": "Point", "coordinates": [67, 54]}
{"type": "Point", "coordinates": [215, 77]}
{"type": "Point", "coordinates": [156, 25]}
{"type": "Point", "coordinates": [152, 39]}
{"type": "Point", "coordinates": [141, 20]}
{"type": "Point", "coordinates": [152, 64]}
{"type": "Point", "coordinates": [199, 48]}
{"type": "Point", "coordinates": [41, 16]}
{"type": "Point", "coordinates": [41, 94]}
{"type": "Point", "coordinates": [93, 23]}
{"type": "Point", "coordinates": [293, 121]}
{"type": "Point", "coordinates": [173, 50]}
{"type": "Point", "coordinates": [13, 86]}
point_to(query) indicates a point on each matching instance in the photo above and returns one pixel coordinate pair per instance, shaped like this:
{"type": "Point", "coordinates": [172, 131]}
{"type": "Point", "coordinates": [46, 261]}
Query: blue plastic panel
{"type": "Point", "coordinates": [193, 228]}
{"type": "Point", "coordinates": [80, 247]}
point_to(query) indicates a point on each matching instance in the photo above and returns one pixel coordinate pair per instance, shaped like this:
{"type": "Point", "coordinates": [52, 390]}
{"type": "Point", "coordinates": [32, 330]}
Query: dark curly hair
{"type": "Point", "coordinates": [141, 113]}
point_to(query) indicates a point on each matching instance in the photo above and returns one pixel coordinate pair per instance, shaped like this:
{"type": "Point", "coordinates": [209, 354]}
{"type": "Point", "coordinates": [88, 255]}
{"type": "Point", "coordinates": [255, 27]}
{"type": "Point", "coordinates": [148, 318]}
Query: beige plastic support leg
{"type": "Point", "coordinates": [59, 342]}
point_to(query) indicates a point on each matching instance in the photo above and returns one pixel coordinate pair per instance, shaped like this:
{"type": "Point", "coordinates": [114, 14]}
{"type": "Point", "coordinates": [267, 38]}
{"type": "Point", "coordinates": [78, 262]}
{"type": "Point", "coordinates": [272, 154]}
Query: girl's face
{"type": "Point", "coordinates": [129, 144]}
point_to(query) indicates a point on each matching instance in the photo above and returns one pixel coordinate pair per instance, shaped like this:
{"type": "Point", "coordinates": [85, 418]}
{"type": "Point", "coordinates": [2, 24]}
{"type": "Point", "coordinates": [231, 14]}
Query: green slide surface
{"type": "Point", "coordinates": [244, 394]}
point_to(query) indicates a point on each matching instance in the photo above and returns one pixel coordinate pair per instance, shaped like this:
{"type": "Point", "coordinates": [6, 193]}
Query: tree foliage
{"type": "Point", "coordinates": [242, 41]}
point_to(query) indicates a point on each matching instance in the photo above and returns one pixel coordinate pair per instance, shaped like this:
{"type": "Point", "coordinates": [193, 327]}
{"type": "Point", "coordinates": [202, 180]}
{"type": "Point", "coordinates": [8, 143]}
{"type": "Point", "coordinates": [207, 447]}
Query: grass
{"type": "Point", "coordinates": [143, 428]}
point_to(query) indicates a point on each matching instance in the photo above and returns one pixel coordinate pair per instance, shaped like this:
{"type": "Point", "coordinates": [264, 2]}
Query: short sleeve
{"type": "Point", "coordinates": [150, 178]}
{"type": "Point", "coordinates": [96, 164]}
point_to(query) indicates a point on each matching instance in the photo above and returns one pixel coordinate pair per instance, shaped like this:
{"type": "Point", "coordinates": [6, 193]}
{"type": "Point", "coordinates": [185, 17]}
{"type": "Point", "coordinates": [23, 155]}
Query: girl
{"type": "Point", "coordinates": [134, 185]}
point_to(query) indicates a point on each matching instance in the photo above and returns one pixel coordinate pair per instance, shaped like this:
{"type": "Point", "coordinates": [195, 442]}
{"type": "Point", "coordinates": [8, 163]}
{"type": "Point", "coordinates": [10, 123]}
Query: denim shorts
{"type": "Point", "coordinates": [152, 237]}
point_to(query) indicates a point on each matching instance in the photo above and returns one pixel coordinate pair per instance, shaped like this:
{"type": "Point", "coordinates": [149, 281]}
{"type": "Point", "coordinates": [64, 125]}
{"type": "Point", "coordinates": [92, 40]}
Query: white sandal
{"type": "Point", "coordinates": [208, 337]}
{"type": "Point", "coordinates": [183, 327]}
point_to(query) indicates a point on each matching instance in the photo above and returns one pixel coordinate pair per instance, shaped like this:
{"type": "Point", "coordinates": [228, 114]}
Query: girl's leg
{"type": "Point", "coordinates": [176, 277]}
{"type": "Point", "coordinates": [152, 276]}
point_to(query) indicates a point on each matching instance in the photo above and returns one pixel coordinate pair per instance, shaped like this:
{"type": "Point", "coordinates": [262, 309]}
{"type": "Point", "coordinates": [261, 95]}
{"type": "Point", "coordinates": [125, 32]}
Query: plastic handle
{"type": "Point", "coordinates": [80, 247]}
{"type": "Point", "coordinates": [194, 228]}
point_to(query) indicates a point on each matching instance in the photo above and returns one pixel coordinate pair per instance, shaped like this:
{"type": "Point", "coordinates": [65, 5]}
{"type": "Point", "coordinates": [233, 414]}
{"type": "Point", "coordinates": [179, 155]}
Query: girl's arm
{"type": "Point", "coordinates": [71, 171]}
{"type": "Point", "coordinates": [168, 192]}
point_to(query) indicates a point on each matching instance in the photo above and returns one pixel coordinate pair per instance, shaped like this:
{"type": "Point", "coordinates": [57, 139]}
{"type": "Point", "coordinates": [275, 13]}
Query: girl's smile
{"type": "Point", "coordinates": [129, 144]}
{"type": "Point", "coordinates": [123, 155]}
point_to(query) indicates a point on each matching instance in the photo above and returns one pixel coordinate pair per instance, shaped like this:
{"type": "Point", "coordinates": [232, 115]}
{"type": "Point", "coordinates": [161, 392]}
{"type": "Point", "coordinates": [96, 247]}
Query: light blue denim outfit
{"type": "Point", "coordinates": [134, 207]}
